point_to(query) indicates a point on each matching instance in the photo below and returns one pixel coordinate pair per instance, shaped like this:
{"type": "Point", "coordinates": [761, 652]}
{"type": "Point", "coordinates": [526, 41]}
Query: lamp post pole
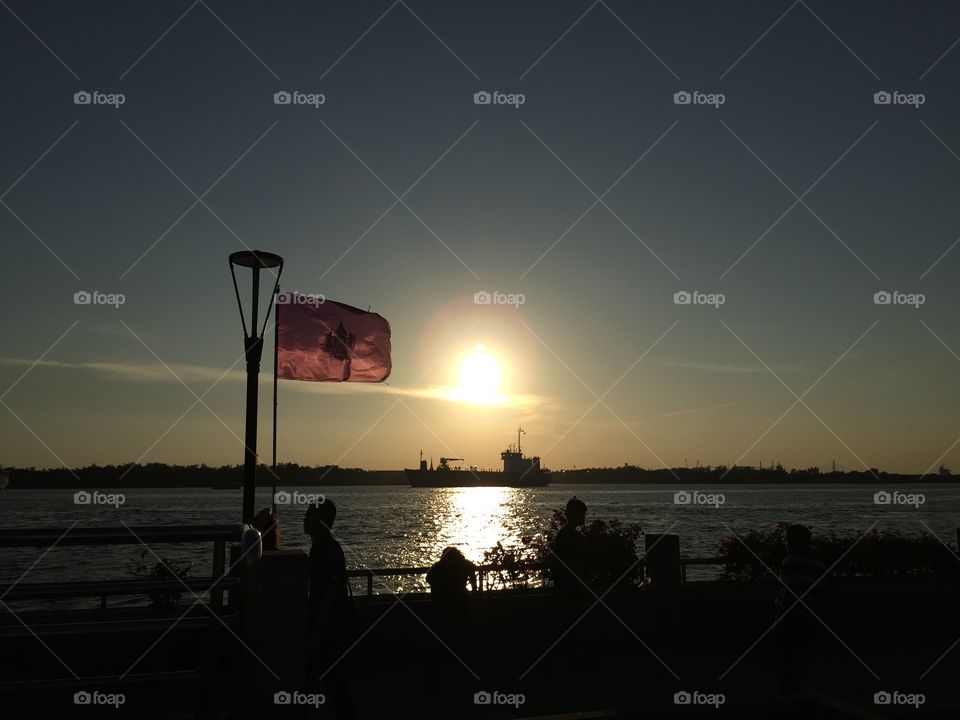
{"type": "Point", "coordinates": [256, 260]}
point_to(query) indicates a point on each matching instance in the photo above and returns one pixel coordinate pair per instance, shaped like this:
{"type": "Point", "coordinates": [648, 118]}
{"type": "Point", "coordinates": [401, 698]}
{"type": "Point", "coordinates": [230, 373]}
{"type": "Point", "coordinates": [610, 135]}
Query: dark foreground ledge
{"type": "Point", "coordinates": [626, 657]}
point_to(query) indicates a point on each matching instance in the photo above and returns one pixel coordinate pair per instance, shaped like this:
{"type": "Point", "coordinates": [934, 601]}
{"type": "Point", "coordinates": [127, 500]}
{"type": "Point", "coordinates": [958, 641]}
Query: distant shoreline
{"type": "Point", "coordinates": [291, 475]}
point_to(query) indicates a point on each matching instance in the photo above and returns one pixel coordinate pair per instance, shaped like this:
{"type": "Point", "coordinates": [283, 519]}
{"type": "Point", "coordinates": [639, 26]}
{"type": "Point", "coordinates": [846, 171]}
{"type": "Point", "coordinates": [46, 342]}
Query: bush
{"type": "Point", "coordinates": [874, 554]}
{"type": "Point", "coordinates": [163, 569]}
{"type": "Point", "coordinates": [610, 549]}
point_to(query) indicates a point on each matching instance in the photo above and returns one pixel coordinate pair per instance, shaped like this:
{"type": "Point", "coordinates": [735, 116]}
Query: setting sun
{"type": "Point", "coordinates": [480, 376]}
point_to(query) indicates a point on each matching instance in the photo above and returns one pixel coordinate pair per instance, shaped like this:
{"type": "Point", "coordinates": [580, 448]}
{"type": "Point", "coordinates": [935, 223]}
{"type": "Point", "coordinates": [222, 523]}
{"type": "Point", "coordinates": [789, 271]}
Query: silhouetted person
{"type": "Point", "coordinates": [268, 524]}
{"type": "Point", "coordinates": [330, 613]}
{"type": "Point", "coordinates": [568, 563]}
{"type": "Point", "coordinates": [448, 580]}
{"type": "Point", "coordinates": [799, 572]}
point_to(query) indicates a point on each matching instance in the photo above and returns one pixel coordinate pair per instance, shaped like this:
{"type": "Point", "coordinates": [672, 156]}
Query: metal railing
{"type": "Point", "coordinates": [483, 584]}
{"type": "Point", "coordinates": [216, 583]}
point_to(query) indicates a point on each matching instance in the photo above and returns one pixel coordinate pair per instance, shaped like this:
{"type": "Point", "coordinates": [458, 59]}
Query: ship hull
{"type": "Point", "coordinates": [475, 478]}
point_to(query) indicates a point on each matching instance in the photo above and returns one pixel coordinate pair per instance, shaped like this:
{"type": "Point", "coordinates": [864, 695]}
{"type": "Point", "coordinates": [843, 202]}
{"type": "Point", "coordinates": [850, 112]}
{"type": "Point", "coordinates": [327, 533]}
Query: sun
{"type": "Point", "coordinates": [480, 377]}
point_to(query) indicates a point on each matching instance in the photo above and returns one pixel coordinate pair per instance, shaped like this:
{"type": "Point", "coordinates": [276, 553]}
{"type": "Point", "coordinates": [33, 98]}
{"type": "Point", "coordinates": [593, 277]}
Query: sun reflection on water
{"type": "Point", "coordinates": [475, 519]}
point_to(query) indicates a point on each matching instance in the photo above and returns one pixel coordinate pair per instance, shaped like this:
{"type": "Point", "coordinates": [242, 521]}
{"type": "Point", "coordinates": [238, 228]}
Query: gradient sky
{"type": "Point", "coordinates": [98, 198]}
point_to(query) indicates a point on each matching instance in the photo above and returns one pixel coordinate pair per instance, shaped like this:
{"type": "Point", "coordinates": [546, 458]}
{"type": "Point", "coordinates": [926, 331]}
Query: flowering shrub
{"type": "Point", "coordinates": [873, 554]}
{"type": "Point", "coordinates": [517, 567]}
{"type": "Point", "coordinates": [609, 548]}
{"type": "Point", "coordinates": [611, 555]}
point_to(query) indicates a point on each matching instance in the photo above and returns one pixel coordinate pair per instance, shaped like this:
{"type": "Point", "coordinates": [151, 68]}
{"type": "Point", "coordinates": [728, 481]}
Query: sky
{"type": "Point", "coordinates": [780, 200]}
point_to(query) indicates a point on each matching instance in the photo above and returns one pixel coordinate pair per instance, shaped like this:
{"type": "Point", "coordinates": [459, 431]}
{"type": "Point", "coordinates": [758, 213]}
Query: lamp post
{"type": "Point", "coordinates": [256, 260]}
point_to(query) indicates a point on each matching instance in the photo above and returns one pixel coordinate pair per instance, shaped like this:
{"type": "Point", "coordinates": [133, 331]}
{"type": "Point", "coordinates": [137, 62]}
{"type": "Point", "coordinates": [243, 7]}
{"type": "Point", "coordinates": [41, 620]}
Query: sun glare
{"type": "Point", "coordinates": [480, 377]}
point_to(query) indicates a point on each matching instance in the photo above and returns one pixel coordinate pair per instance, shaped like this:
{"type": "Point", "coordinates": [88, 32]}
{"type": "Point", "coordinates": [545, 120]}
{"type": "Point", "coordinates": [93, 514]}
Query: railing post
{"type": "Point", "coordinates": [281, 604]}
{"type": "Point", "coordinates": [219, 560]}
{"type": "Point", "coordinates": [663, 562]}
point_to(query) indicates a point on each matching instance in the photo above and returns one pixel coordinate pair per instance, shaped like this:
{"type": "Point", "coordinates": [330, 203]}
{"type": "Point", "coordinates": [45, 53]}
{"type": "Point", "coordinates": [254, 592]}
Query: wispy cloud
{"type": "Point", "coordinates": [159, 373]}
{"type": "Point", "coordinates": [734, 368]}
{"type": "Point", "coordinates": [142, 372]}
{"type": "Point", "coordinates": [692, 411]}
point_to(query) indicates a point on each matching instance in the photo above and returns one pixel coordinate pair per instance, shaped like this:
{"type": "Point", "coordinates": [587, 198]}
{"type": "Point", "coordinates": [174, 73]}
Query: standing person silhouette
{"type": "Point", "coordinates": [330, 612]}
{"type": "Point", "coordinates": [799, 573]}
{"type": "Point", "coordinates": [568, 564]}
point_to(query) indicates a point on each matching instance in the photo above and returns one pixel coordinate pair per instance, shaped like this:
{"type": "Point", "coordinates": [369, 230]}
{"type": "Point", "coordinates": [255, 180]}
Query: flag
{"type": "Point", "coordinates": [322, 340]}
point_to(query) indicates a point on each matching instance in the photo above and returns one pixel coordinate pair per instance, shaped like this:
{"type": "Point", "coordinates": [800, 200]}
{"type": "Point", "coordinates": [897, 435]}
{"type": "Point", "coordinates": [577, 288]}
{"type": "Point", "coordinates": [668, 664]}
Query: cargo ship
{"type": "Point", "coordinates": [518, 471]}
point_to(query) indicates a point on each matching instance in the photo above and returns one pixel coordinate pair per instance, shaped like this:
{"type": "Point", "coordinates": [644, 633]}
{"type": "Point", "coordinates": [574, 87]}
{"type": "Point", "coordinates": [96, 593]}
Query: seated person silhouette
{"type": "Point", "coordinates": [268, 523]}
{"type": "Point", "coordinates": [448, 580]}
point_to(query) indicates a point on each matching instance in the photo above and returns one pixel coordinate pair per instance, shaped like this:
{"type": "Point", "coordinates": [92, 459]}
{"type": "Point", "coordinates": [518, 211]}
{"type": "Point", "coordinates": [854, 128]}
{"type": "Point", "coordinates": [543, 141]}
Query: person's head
{"type": "Point", "coordinates": [268, 524]}
{"type": "Point", "coordinates": [319, 518]}
{"type": "Point", "coordinates": [452, 555]}
{"type": "Point", "coordinates": [576, 511]}
{"type": "Point", "coordinates": [798, 539]}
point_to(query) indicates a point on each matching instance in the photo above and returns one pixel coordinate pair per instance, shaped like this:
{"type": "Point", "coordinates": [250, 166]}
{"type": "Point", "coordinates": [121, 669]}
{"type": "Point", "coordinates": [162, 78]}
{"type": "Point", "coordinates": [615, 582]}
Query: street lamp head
{"type": "Point", "coordinates": [256, 258]}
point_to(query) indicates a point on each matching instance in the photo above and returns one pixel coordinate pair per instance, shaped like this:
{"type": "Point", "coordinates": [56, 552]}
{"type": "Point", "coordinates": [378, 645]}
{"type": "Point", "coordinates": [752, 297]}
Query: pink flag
{"type": "Point", "coordinates": [322, 340]}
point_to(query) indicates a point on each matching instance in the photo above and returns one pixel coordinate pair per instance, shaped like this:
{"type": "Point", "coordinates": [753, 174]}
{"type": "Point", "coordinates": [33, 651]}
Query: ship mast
{"type": "Point", "coordinates": [519, 430]}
